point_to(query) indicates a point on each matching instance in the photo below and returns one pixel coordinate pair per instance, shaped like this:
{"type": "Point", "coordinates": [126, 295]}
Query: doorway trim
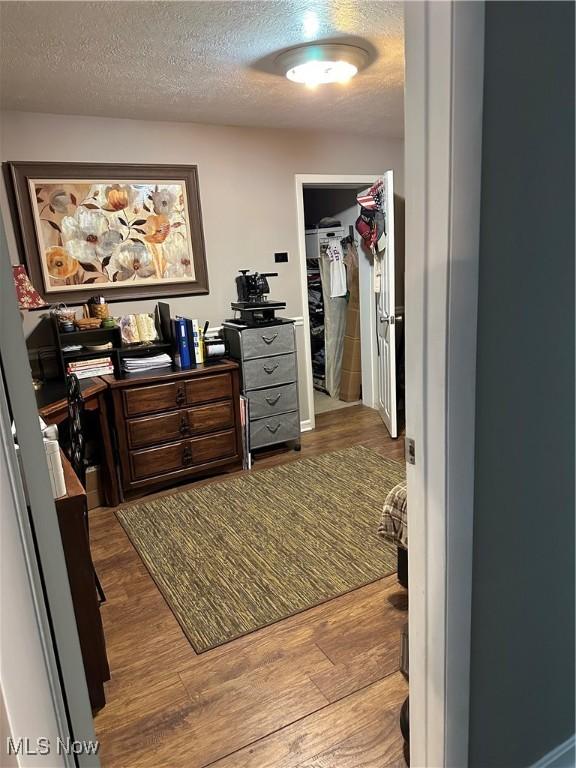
{"type": "Point", "coordinates": [328, 180]}
{"type": "Point", "coordinates": [443, 162]}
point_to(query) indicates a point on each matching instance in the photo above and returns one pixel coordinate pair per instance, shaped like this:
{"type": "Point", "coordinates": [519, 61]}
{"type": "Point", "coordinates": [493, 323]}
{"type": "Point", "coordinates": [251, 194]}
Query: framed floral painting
{"type": "Point", "coordinates": [121, 231]}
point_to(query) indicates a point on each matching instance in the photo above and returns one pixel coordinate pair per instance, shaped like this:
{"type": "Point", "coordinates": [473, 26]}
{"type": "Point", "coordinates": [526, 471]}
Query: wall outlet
{"type": "Point", "coordinates": [281, 257]}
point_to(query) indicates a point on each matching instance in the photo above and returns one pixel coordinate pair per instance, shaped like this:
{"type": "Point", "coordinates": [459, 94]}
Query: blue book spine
{"type": "Point", "coordinates": [183, 343]}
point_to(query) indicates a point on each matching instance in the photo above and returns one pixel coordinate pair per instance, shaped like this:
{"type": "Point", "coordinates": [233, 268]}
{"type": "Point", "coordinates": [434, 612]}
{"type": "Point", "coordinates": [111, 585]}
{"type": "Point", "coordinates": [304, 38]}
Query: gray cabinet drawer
{"type": "Point", "coordinates": [274, 429]}
{"type": "Point", "coordinates": [269, 371]}
{"type": "Point", "coordinates": [272, 340]}
{"type": "Point", "coordinates": [267, 402]}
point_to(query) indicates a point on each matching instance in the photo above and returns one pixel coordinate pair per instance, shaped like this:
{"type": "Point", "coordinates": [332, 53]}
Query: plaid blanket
{"type": "Point", "coordinates": [394, 523]}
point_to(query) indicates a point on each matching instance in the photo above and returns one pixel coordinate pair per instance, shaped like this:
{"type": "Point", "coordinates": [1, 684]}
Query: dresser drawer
{"type": "Point", "coordinates": [154, 398]}
{"type": "Point", "coordinates": [267, 402]}
{"type": "Point", "coordinates": [184, 454]}
{"type": "Point", "coordinates": [152, 430]}
{"type": "Point", "coordinates": [208, 388]}
{"type": "Point", "coordinates": [269, 371]}
{"type": "Point", "coordinates": [177, 394]}
{"type": "Point", "coordinates": [274, 429]}
{"type": "Point", "coordinates": [273, 340]}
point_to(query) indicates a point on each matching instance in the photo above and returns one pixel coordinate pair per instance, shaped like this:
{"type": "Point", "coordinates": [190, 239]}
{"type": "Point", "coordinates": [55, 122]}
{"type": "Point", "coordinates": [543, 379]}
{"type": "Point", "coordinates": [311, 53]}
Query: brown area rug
{"type": "Point", "coordinates": [234, 556]}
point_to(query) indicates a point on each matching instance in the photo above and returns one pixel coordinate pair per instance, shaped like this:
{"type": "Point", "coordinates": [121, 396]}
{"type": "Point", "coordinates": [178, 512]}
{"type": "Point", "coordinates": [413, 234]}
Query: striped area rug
{"type": "Point", "coordinates": [233, 556]}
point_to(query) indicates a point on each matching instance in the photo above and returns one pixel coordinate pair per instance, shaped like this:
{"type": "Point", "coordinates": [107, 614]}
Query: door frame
{"type": "Point", "coordinates": [444, 57]}
{"type": "Point", "coordinates": [368, 373]}
{"type": "Point", "coordinates": [61, 687]}
{"type": "Point", "coordinates": [443, 115]}
{"type": "Point", "coordinates": [389, 296]}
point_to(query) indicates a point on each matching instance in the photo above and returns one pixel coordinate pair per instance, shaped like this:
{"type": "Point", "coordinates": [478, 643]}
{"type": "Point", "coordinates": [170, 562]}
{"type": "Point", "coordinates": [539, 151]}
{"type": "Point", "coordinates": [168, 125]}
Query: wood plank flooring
{"type": "Point", "coordinates": [317, 690]}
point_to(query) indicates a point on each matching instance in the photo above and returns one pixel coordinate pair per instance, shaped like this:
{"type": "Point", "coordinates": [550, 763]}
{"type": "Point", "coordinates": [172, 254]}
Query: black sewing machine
{"type": "Point", "coordinates": [253, 304]}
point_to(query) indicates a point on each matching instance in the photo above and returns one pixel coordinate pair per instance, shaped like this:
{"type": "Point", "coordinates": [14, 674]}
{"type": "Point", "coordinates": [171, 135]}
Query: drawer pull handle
{"type": "Point", "coordinates": [273, 400]}
{"type": "Point", "coordinates": [270, 368]}
{"type": "Point", "coordinates": [180, 397]}
{"type": "Point", "coordinates": [269, 339]}
{"type": "Point", "coordinates": [273, 429]}
{"type": "Point", "coordinates": [187, 456]}
{"type": "Point", "coordinates": [184, 426]}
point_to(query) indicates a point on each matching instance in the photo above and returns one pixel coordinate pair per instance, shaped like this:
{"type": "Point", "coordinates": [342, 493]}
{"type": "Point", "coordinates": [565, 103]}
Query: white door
{"type": "Point", "coordinates": [385, 309]}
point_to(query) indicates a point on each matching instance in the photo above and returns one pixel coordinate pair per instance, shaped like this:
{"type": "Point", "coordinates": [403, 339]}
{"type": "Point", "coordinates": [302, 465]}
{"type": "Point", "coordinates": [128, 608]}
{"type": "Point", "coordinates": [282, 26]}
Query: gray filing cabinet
{"type": "Point", "coordinates": [269, 369]}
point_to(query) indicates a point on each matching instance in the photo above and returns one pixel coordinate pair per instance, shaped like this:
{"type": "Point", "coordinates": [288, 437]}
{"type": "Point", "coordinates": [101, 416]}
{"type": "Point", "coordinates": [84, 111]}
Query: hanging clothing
{"type": "Point", "coordinates": [334, 319]}
{"type": "Point", "coordinates": [334, 252]}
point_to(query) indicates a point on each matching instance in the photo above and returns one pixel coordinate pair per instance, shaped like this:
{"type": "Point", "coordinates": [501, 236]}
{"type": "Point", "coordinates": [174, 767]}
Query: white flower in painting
{"type": "Point", "coordinates": [60, 200]}
{"type": "Point", "coordinates": [131, 260]}
{"type": "Point", "coordinates": [178, 258]}
{"type": "Point", "coordinates": [163, 201]}
{"type": "Point", "coordinates": [88, 237]}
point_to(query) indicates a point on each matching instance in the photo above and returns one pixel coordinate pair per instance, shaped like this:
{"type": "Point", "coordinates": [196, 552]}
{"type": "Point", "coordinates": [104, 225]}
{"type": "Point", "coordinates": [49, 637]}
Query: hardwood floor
{"type": "Point", "coordinates": [317, 690]}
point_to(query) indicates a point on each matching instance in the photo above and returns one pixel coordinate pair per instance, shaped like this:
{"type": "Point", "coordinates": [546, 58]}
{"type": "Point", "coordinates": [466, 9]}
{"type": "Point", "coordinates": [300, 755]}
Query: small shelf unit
{"type": "Point", "coordinates": [96, 336]}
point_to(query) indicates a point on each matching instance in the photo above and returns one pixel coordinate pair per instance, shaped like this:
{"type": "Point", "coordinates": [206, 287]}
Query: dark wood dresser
{"type": "Point", "coordinates": [173, 425]}
{"type": "Point", "coordinates": [71, 511]}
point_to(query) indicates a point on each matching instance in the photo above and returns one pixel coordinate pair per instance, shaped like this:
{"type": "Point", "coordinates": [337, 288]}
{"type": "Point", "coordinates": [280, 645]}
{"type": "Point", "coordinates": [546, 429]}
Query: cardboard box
{"type": "Point", "coordinates": [351, 356]}
{"type": "Point", "coordinates": [352, 322]}
{"type": "Point", "coordinates": [94, 495]}
{"type": "Point", "coordinates": [351, 376]}
{"type": "Point", "coordinates": [350, 386]}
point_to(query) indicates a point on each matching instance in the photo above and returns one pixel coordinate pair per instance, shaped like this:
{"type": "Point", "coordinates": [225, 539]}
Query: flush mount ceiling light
{"type": "Point", "coordinates": [314, 65]}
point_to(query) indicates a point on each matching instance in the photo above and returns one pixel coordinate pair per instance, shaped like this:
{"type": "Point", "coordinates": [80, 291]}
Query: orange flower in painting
{"type": "Point", "coordinates": [118, 196]}
{"type": "Point", "coordinates": [59, 263]}
{"type": "Point", "coordinates": [157, 228]}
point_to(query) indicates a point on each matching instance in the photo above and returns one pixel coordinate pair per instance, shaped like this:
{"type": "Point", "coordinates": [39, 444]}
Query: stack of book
{"type": "Point", "coordinates": [85, 369]}
{"type": "Point", "coordinates": [188, 342]}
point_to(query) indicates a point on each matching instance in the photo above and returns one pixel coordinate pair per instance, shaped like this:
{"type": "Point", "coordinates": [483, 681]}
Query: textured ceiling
{"type": "Point", "coordinates": [205, 62]}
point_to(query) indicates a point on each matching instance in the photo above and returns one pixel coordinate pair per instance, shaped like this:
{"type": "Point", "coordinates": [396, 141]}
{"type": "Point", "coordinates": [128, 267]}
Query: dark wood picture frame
{"type": "Point", "coordinates": [17, 176]}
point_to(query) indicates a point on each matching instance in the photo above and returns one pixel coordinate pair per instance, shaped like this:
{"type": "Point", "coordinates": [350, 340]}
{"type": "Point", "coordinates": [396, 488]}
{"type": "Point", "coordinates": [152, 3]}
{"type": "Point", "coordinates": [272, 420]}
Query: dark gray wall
{"type": "Point", "coordinates": [522, 666]}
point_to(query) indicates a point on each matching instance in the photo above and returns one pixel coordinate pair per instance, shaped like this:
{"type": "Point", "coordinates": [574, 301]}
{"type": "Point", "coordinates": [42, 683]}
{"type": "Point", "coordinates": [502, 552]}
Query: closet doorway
{"type": "Point", "coordinates": [339, 297]}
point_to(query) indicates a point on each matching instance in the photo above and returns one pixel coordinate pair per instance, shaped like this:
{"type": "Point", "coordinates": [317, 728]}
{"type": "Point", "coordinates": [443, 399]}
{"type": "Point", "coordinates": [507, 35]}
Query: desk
{"type": "Point", "coordinates": [53, 408]}
{"type": "Point", "coordinates": [71, 511]}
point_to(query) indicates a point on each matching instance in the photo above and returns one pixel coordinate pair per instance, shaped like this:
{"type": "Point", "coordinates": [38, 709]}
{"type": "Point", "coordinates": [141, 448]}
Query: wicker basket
{"type": "Point", "coordinates": [63, 314]}
{"type": "Point", "coordinates": [99, 310]}
{"type": "Point", "coordinates": [87, 323]}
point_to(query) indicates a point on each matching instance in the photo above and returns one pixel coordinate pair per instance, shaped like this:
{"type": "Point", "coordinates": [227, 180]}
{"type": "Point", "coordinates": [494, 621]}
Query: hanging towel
{"type": "Point", "coordinates": [338, 286]}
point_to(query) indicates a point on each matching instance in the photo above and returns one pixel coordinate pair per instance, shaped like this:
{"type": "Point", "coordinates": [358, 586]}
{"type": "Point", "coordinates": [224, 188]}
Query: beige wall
{"type": "Point", "coordinates": [247, 187]}
{"type": "Point", "coordinates": [246, 184]}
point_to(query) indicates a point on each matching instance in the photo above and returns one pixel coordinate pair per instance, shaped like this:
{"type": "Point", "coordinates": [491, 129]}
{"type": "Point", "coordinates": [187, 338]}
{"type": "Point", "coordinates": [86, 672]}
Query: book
{"type": "Point", "coordinates": [90, 372]}
{"type": "Point", "coordinates": [183, 354]}
{"type": "Point", "coordinates": [194, 336]}
{"type": "Point", "coordinates": [75, 365]}
{"type": "Point", "coordinates": [137, 328]}
{"type": "Point", "coordinates": [190, 332]}
{"type": "Point", "coordinates": [198, 350]}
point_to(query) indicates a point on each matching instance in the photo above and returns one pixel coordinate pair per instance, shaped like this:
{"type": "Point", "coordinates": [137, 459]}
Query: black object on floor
{"type": "Point", "coordinates": [402, 567]}
{"type": "Point", "coordinates": [405, 728]}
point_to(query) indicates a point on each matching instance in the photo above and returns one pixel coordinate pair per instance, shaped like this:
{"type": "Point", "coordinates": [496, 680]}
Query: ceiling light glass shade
{"type": "Point", "coordinates": [321, 72]}
{"type": "Point", "coordinates": [314, 65]}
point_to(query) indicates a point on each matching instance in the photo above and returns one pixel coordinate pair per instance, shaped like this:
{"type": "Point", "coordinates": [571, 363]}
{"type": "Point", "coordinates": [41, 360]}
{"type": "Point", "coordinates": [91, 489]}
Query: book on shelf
{"type": "Point", "coordinates": [137, 328]}
{"type": "Point", "coordinates": [182, 349]}
{"type": "Point", "coordinates": [77, 365]}
{"type": "Point", "coordinates": [198, 347]}
{"type": "Point", "coordinates": [195, 339]}
{"type": "Point", "coordinates": [85, 369]}
{"type": "Point", "coordinates": [88, 373]}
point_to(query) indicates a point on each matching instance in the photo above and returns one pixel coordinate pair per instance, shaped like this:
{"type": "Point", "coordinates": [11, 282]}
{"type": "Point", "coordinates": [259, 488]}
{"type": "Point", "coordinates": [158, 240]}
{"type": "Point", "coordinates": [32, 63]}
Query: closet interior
{"type": "Point", "coordinates": [333, 296]}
